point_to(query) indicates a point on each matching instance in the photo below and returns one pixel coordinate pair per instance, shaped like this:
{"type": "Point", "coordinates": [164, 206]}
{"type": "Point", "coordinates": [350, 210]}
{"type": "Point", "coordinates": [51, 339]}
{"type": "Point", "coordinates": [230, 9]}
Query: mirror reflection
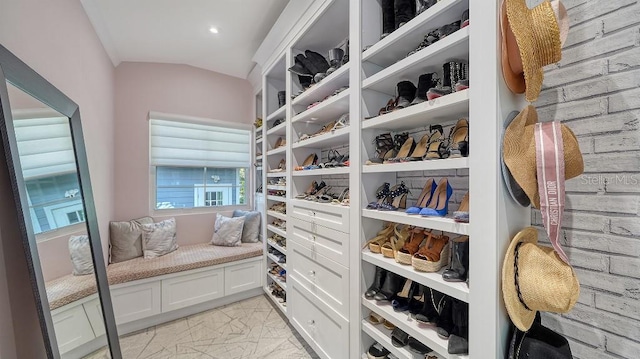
{"type": "Point", "coordinates": [57, 217]}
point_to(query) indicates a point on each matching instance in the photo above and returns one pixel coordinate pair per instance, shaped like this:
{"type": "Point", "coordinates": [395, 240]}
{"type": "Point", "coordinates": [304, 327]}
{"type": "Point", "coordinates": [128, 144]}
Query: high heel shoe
{"type": "Point", "coordinates": [462, 214]}
{"type": "Point", "coordinates": [424, 198]}
{"type": "Point", "coordinates": [433, 255]}
{"type": "Point", "coordinates": [459, 139]}
{"type": "Point", "coordinates": [381, 194]}
{"type": "Point", "coordinates": [420, 149]}
{"type": "Point", "coordinates": [400, 302]}
{"type": "Point", "coordinates": [407, 147]}
{"type": "Point", "coordinates": [439, 206]}
{"type": "Point", "coordinates": [381, 237]}
{"type": "Point", "coordinates": [384, 149]}
{"type": "Point", "coordinates": [309, 190]}
{"type": "Point", "coordinates": [437, 149]}
{"type": "Point", "coordinates": [311, 160]}
{"type": "Point", "coordinates": [432, 306]}
{"type": "Point", "coordinates": [411, 247]}
{"type": "Point", "coordinates": [396, 199]}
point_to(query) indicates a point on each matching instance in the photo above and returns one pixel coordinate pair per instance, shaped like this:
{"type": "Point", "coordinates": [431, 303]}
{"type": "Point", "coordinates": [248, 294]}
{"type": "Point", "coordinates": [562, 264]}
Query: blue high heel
{"type": "Point", "coordinates": [424, 198]}
{"type": "Point", "coordinates": [439, 206]}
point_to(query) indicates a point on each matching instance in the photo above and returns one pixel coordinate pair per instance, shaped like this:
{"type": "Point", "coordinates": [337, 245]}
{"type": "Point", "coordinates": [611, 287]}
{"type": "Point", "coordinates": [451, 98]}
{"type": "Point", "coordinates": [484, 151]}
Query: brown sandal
{"type": "Point", "coordinates": [411, 246]}
{"type": "Point", "coordinates": [433, 255]}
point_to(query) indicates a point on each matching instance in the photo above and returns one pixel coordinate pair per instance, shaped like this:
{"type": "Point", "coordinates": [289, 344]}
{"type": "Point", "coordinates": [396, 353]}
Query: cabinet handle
{"type": "Point", "coordinates": [311, 322]}
{"type": "Point", "coordinates": [312, 273]}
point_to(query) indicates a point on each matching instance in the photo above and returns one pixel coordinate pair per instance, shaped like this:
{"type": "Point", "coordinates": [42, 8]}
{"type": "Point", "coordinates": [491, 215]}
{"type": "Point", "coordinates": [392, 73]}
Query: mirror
{"type": "Point", "coordinates": [52, 192]}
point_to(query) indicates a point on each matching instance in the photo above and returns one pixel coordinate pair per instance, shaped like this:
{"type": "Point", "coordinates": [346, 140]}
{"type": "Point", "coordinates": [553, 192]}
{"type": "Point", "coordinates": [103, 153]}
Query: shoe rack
{"type": "Point", "coordinates": [258, 185]}
{"type": "Point", "coordinates": [327, 268]}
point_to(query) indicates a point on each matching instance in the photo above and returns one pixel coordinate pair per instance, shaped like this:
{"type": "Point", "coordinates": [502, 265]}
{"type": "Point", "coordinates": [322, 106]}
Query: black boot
{"type": "Point", "coordinates": [425, 82]}
{"type": "Point", "coordinates": [378, 279]}
{"type": "Point", "coordinates": [282, 98]}
{"type": "Point", "coordinates": [425, 4]}
{"type": "Point", "coordinates": [318, 61]}
{"type": "Point", "coordinates": [445, 320]}
{"type": "Point", "coordinates": [429, 313]}
{"type": "Point", "coordinates": [388, 18]}
{"type": "Point", "coordinates": [457, 271]}
{"type": "Point", "coordinates": [443, 88]}
{"type": "Point", "coordinates": [415, 303]}
{"type": "Point", "coordinates": [299, 68]}
{"type": "Point", "coordinates": [406, 93]}
{"type": "Point", "coordinates": [390, 287]}
{"type": "Point", "coordinates": [404, 10]}
{"type": "Point", "coordinates": [459, 338]}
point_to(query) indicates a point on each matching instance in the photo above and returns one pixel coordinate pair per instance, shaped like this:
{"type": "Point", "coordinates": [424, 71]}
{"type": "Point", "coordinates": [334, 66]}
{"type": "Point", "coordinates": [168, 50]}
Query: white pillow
{"type": "Point", "coordinates": [80, 251]}
{"type": "Point", "coordinates": [227, 231]}
{"type": "Point", "coordinates": [159, 238]}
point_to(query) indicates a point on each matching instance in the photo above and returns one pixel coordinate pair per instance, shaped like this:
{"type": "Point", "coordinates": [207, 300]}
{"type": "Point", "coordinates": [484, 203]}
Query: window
{"type": "Point", "coordinates": [198, 164]}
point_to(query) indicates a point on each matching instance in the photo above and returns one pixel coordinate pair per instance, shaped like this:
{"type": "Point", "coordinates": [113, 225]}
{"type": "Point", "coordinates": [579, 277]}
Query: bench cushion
{"type": "Point", "coordinates": [68, 289]}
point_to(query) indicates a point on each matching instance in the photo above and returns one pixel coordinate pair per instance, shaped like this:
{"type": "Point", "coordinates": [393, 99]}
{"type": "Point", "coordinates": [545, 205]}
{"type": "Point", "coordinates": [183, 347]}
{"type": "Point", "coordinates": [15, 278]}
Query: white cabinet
{"type": "Point", "coordinates": [94, 313]}
{"type": "Point", "coordinates": [72, 327]}
{"type": "Point", "coordinates": [134, 301]}
{"type": "Point", "coordinates": [325, 241]}
{"type": "Point", "coordinates": [190, 289]}
{"type": "Point", "coordinates": [330, 216]}
{"type": "Point", "coordinates": [241, 277]}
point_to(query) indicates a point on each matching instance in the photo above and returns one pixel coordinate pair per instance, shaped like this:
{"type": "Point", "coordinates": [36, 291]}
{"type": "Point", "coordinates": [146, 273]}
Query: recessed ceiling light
{"type": "Point", "coordinates": [213, 30]}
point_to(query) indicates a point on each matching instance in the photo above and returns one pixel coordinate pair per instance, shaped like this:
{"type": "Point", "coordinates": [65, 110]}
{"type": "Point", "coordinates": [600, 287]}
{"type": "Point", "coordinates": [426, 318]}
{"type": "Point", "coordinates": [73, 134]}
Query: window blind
{"type": "Point", "coordinates": [45, 147]}
{"type": "Point", "coordinates": [176, 143]}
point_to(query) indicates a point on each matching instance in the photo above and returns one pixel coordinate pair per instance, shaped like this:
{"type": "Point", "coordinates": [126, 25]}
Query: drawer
{"type": "Point", "coordinates": [327, 215]}
{"type": "Point", "coordinates": [241, 277]}
{"type": "Point", "coordinates": [136, 301]}
{"type": "Point", "coordinates": [94, 313]}
{"type": "Point", "coordinates": [324, 278]}
{"type": "Point", "coordinates": [72, 327]}
{"type": "Point", "coordinates": [321, 327]}
{"type": "Point", "coordinates": [189, 289]}
{"type": "Point", "coordinates": [324, 241]}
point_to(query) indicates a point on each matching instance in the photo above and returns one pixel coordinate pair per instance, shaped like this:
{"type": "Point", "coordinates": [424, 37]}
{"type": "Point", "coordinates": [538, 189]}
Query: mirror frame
{"type": "Point", "coordinates": [20, 75]}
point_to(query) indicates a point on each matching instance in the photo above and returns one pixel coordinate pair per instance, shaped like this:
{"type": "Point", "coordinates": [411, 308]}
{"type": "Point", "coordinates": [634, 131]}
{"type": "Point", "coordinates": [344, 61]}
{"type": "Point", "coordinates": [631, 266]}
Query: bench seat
{"type": "Point", "coordinates": [70, 288]}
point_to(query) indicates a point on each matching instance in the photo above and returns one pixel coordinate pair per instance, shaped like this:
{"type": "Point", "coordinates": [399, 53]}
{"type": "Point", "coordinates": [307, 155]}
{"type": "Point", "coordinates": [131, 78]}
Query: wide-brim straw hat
{"type": "Point", "coordinates": [539, 34]}
{"type": "Point", "coordinates": [534, 278]}
{"type": "Point", "coordinates": [519, 153]}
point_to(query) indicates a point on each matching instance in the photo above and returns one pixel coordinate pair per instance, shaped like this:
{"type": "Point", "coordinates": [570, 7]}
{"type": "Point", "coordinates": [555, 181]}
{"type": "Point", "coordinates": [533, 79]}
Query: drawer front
{"type": "Point", "coordinates": [136, 301]}
{"type": "Point", "coordinates": [94, 313]}
{"type": "Point", "coordinates": [241, 277]}
{"type": "Point", "coordinates": [72, 328]}
{"type": "Point", "coordinates": [336, 217]}
{"type": "Point", "coordinates": [326, 332]}
{"type": "Point", "coordinates": [322, 277]}
{"type": "Point", "coordinates": [190, 289]}
{"type": "Point", "coordinates": [321, 240]}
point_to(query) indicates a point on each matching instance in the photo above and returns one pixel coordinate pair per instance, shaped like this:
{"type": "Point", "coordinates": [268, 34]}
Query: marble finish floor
{"type": "Point", "coordinates": [252, 328]}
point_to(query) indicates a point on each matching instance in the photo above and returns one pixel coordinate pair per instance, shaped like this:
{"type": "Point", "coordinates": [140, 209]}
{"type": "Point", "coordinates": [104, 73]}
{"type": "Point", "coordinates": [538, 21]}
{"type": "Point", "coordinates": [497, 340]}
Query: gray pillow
{"type": "Point", "coordinates": [227, 231]}
{"type": "Point", "coordinates": [125, 239]}
{"type": "Point", "coordinates": [159, 238]}
{"type": "Point", "coordinates": [80, 251]}
{"type": "Point", "coordinates": [251, 229]}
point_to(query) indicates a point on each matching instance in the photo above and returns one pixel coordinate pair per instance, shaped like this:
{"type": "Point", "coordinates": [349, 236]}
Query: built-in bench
{"type": "Point", "coordinates": [150, 291]}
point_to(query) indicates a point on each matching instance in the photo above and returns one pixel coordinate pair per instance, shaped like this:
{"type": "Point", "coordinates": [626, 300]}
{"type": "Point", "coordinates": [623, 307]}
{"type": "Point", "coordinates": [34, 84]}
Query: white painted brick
{"type": "Point", "coordinates": [624, 60]}
{"type": "Point", "coordinates": [619, 305]}
{"type": "Point", "coordinates": [624, 286]}
{"type": "Point", "coordinates": [575, 330]}
{"type": "Point", "coordinates": [626, 100]}
{"type": "Point", "coordinates": [550, 96]}
{"type": "Point", "coordinates": [573, 110]}
{"type": "Point", "coordinates": [620, 19]}
{"type": "Point", "coordinates": [593, 9]}
{"type": "Point", "coordinates": [626, 141]}
{"type": "Point", "coordinates": [568, 74]}
{"type": "Point", "coordinates": [626, 226]}
{"type": "Point", "coordinates": [583, 351]}
{"type": "Point", "coordinates": [587, 297]}
{"type": "Point", "coordinates": [621, 121]}
{"type": "Point", "coordinates": [622, 346]}
{"type": "Point", "coordinates": [601, 85]}
{"type": "Point", "coordinates": [585, 184]}
{"type": "Point", "coordinates": [613, 323]}
{"type": "Point", "coordinates": [601, 46]}
{"type": "Point", "coordinates": [626, 266]}
{"type": "Point", "coordinates": [626, 204]}
{"type": "Point", "coordinates": [622, 182]}
{"type": "Point", "coordinates": [602, 242]}
{"type": "Point", "coordinates": [611, 162]}
{"type": "Point", "coordinates": [586, 31]}
{"type": "Point", "coordinates": [462, 172]}
{"type": "Point", "coordinates": [588, 260]}
{"type": "Point", "coordinates": [573, 3]}
{"type": "Point", "coordinates": [584, 221]}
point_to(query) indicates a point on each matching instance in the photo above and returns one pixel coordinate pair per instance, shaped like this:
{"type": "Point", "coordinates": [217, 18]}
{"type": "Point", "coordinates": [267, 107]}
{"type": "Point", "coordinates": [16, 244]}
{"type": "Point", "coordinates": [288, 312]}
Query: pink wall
{"type": "Point", "coordinates": [57, 40]}
{"type": "Point", "coordinates": [175, 89]}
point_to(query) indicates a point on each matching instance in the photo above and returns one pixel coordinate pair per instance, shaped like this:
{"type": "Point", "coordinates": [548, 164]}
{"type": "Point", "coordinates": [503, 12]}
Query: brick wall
{"type": "Point", "coordinates": [595, 90]}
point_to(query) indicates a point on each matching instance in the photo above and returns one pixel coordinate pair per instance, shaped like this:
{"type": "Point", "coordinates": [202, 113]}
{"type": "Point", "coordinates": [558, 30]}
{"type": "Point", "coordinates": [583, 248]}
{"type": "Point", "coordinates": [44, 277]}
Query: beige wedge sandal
{"type": "Point", "coordinates": [433, 255]}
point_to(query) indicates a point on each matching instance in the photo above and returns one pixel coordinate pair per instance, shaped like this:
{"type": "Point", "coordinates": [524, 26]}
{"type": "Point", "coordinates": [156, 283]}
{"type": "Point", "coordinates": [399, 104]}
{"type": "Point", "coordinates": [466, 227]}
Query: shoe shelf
{"type": "Point", "coordinates": [445, 108]}
{"type": "Point", "coordinates": [279, 282]}
{"type": "Point", "coordinates": [278, 215]}
{"type": "Point", "coordinates": [259, 168]}
{"type": "Point", "coordinates": [278, 247]}
{"type": "Point", "coordinates": [277, 151]}
{"type": "Point", "coordinates": [259, 140]}
{"type": "Point", "coordinates": [325, 88]}
{"type": "Point", "coordinates": [458, 290]}
{"type": "Point", "coordinates": [322, 172]}
{"type": "Point", "coordinates": [277, 230]}
{"type": "Point", "coordinates": [259, 158]}
{"type": "Point", "coordinates": [279, 113]}
{"type": "Point", "coordinates": [276, 187]}
{"type": "Point", "coordinates": [329, 139]}
{"type": "Point", "coordinates": [382, 335]}
{"type": "Point", "coordinates": [454, 46]}
{"type": "Point", "coordinates": [429, 165]}
{"type": "Point", "coordinates": [426, 335]}
{"type": "Point", "coordinates": [258, 130]}
{"type": "Point", "coordinates": [275, 260]}
{"type": "Point", "coordinates": [406, 38]}
{"type": "Point", "coordinates": [281, 129]}
{"type": "Point", "coordinates": [275, 301]}
{"type": "Point", "coordinates": [327, 110]}
{"type": "Point", "coordinates": [277, 174]}
{"type": "Point", "coordinates": [438, 223]}
{"type": "Point", "coordinates": [277, 198]}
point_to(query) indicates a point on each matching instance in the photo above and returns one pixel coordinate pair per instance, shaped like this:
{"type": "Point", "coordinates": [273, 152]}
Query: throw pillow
{"type": "Point", "coordinates": [125, 239]}
{"type": "Point", "coordinates": [227, 231]}
{"type": "Point", "coordinates": [159, 238]}
{"type": "Point", "coordinates": [80, 251]}
{"type": "Point", "coordinates": [251, 229]}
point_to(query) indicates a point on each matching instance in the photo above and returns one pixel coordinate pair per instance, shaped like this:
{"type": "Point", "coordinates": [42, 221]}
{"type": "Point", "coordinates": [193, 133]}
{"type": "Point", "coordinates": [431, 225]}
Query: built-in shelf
{"type": "Point", "coordinates": [281, 283]}
{"type": "Point", "coordinates": [382, 335]}
{"type": "Point", "coordinates": [278, 247]}
{"type": "Point", "coordinates": [327, 110]}
{"type": "Point", "coordinates": [438, 223]}
{"type": "Point", "coordinates": [278, 215]}
{"type": "Point", "coordinates": [281, 129]}
{"type": "Point", "coordinates": [426, 335]}
{"type": "Point", "coordinates": [325, 88]}
{"type": "Point", "coordinates": [458, 290]}
{"type": "Point", "coordinates": [277, 151]}
{"type": "Point", "coordinates": [277, 174]}
{"type": "Point", "coordinates": [276, 187]}
{"type": "Point", "coordinates": [277, 198]}
{"type": "Point", "coordinates": [322, 172]}
{"type": "Point", "coordinates": [429, 165]}
{"type": "Point", "coordinates": [259, 140]}
{"type": "Point", "coordinates": [326, 140]}
{"type": "Point", "coordinates": [278, 305]}
{"type": "Point", "coordinates": [276, 230]}
{"type": "Point", "coordinates": [259, 158]}
{"type": "Point", "coordinates": [429, 59]}
{"type": "Point", "coordinates": [446, 108]}
{"type": "Point", "coordinates": [259, 168]}
{"type": "Point", "coordinates": [275, 260]}
{"type": "Point", "coordinates": [259, 129]}
{"type": "Point", "coordinates": [279, 113]}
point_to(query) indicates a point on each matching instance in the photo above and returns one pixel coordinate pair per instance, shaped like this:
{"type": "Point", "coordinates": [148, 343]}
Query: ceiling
{"type": "Point", "coordinates": [177, 31]}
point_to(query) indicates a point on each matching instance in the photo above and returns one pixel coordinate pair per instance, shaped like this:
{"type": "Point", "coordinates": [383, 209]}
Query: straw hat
{"type": "Point", "coordinates": [519, 153]}
{"type": "Point", "coordinates": [531, 39]}
{"type": "Point", "coordinates": [534, 278]}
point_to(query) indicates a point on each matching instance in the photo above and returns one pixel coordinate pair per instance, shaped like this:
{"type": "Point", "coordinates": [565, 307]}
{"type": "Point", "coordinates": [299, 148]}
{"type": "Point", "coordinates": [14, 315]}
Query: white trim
{"type": "Point", "coordinates": [74, 229]}
{"type": "Point", "coordinates": [94, 14]}
{"type": "Point", "coordinates": [198, 120]}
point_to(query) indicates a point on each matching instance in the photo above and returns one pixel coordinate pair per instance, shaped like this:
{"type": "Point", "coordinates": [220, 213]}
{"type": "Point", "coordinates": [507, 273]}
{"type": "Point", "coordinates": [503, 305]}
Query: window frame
{"type": "Point", "coordinates": [249, 179]}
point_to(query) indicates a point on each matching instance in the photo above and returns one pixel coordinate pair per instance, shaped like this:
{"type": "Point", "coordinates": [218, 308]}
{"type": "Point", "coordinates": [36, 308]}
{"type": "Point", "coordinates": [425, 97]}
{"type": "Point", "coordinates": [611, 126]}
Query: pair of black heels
{"type": "Point", "coordinates": [440, 33]}
{"type": "Point", "coordinates": [390, 198]}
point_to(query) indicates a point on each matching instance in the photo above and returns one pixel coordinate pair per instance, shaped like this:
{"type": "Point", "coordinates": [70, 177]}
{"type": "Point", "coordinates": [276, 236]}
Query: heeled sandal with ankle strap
{"type": "Point", "coordinates": [396, 199]}
{"type": "Point", "coordinates": [412, 246]}
{"type": "Point", "coordinates": [381, 194]}
{"type": "Point", "coordinates": [459, 139]}
{"type": "Point", "coordinates": [433, 255]}
{"type": "Point", "coordinates": [437, 148]}
{"type": "Point", "coordinates": [384, 149]}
